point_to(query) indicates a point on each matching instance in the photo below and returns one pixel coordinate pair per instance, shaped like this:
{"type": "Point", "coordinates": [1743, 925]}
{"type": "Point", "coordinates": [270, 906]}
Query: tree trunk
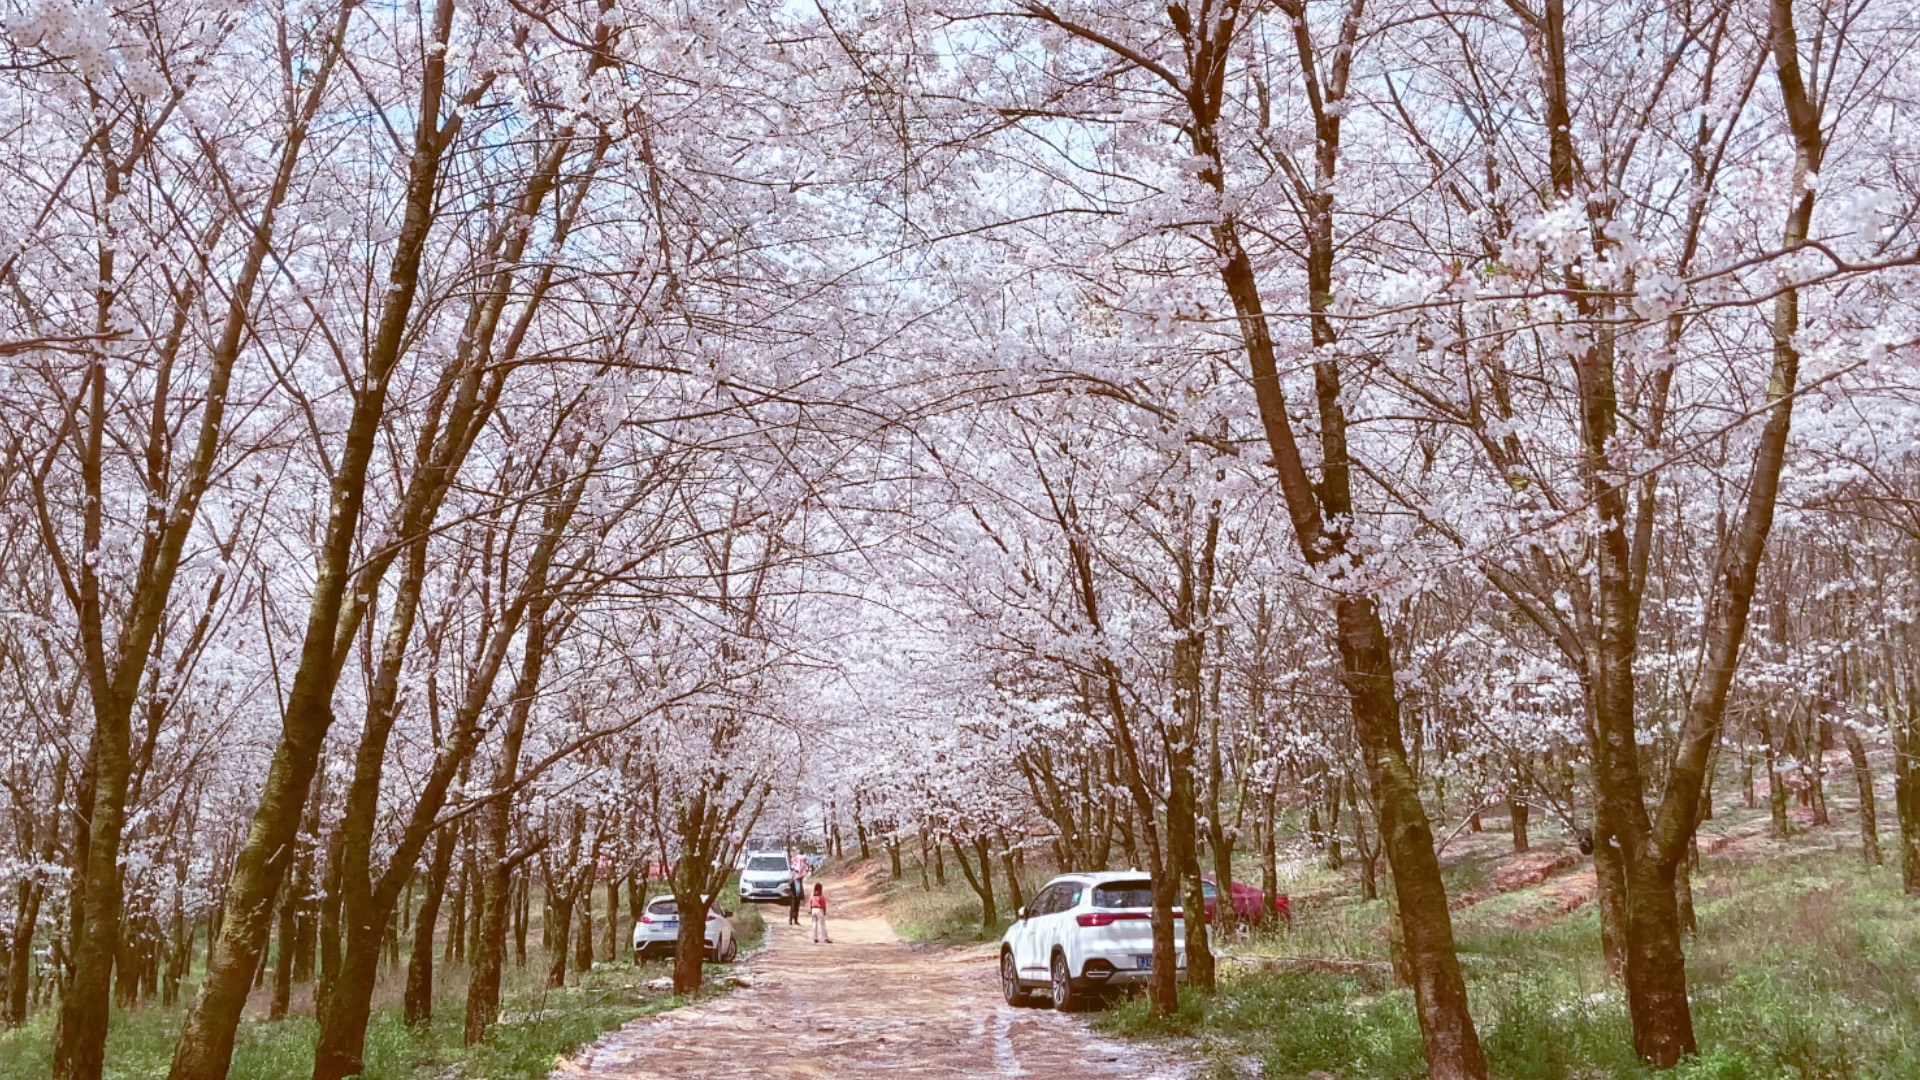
{"type": "Point", "coordinates": [560, 928]}
{"type": "Point", "coordinates": [341, 1044]}
{"type": "Point", "coordinates": [329, 929]}
{"type": "Point", "coordinates": [31, 895]}
{"type": "Point", "coordinates": [1184, 867]}
{"type": "Point", "coordinates": [522, 915]}
{"type": "Point", "coordinates": [470, 946]}
{"type": "Point", "coordinates": [1683, 891]}
{"type": "Point", "coordinates": [283, 961]}
{"type": "Point", "coordinates": [1369, 852]}
{"type": "Point", "coordinates": [1129, 836]}
{"type": "Point", "coordinates": [1014, 896]}
{"type": "Point", "coordinates": [1440, 992]}
{"type": "Point", "coordinates": [982, 882]}
{"type": "Point", "coordinates": [1656, 964]}
{"type": "Point", "coordinates": [20, 953]}
{"type": "Point", "coordinates": [457, 917]}
{"type": "Point", "coordinates": [179, 959]}
{"type": "Point", "coordinates": [1610, 888]}
{"type": "Point", "coordinates": [1517, 812]}
{"type": "Point", "coordinates": [613, 918]}
{"type": "Point", "coordinates": [1653, 849]}
{"type": "Point", "coordinates": [690, 947]}
{"type": "Point", "coordinates": [205, 1047]}
{"type": "Point", "coordinates": [418, 1003]}
{"type": "Point", "coordinates": [80, 1037]}
{"type": "Point", "coordinates": [1777, 792]}
{"type": "Point", "coordinates": [1817, 769]}
{"type": "Point", "coordinates": [1906, 785]}
{"type": "Point", "coordinates": [583, 937]}
{"type": "Point", "coordinates": [394, 923]}
{"type": "Point", "coordinates": [1863, 782]}
{"type": "Point", "coordinates": [489, 960]}
{"type": "Point", "coordinates": [126, 968]}
{"type": "Point", "coordinates": [1270, 850]}
{"type": "Point", "coordinates": [495, 864]}
{"type": "Point", "coordinates": [636, 896]}
{"type": "Point", "coordinates": [1229, 917]}
{"type": "Point", "coordinates": [116, 663]}
{"type": "Point", "coordinates": [1163, 990]}
{"type": "Point", "coordinates": [214, 918]}
{"type": "Point", "coordinates": [306, 926]}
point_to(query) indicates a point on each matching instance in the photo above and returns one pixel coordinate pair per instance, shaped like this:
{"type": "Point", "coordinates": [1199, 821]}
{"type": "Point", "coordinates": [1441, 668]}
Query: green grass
{"type": "Point", "coordinates": [1806, 966]}
{"type": "Point", "coordinates": [951, 913]}
{"type": "Point", "coordinates": [538, 1026]}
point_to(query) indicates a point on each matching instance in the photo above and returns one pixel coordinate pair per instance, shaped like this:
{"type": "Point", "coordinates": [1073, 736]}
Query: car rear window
{"type": "Point", "coordinates": [665, 907]}
{"type": "Point", "coordinates": [767, 862]}
{"type": "Point", "coordinates": [1124, 894]}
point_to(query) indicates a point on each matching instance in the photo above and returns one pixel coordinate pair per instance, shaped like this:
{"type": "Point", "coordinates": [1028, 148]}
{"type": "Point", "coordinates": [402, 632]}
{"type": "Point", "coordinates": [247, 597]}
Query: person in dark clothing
{"type": "Point", "coordinates": [794, 897]}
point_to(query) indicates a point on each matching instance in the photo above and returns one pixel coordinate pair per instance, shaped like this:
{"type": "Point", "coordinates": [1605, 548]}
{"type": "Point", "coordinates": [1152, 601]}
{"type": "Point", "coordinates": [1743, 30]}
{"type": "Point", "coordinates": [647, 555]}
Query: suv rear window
{"type": "Point", "coordinates": [1124, 894]}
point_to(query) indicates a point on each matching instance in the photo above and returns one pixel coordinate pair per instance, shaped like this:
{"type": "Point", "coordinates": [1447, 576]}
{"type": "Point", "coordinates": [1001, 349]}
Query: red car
{"type": "Point", "coordinates": [1248, 902]}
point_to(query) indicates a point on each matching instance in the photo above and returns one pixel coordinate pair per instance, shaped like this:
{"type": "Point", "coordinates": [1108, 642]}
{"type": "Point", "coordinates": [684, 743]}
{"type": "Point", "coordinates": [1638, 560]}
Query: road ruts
{"type": "Point", "coordinates": [865, 1006]}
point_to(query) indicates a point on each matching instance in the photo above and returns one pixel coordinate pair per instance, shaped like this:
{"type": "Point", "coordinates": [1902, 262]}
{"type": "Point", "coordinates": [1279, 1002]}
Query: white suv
{"type": "Point", "coordinates": [1081, 934]}
{"type": "Point", "coordinates": [766, 875]}
{"type": "Point", "coordinates": [658, 932]}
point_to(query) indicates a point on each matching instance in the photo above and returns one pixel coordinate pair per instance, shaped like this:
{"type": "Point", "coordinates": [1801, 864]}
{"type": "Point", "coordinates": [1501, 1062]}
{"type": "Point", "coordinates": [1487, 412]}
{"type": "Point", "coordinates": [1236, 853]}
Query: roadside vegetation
{"type": "Point", "coordinates": [1805, 964]}
{"type": "Point", "coordinates": [538, 1025]}
{"type": "Point", "coordinates": [949, 912]}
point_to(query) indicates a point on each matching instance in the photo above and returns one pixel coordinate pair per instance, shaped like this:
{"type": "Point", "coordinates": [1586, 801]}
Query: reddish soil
{"type": "Point", "coordinates": [867, 1005]}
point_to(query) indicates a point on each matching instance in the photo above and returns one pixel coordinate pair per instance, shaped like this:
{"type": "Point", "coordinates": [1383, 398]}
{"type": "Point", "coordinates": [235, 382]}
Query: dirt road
{"type": "Point", "coordinates": [865, 1006]}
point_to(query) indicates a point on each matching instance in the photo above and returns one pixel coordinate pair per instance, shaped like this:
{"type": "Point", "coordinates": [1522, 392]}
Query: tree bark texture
{"type": "Point", "coordinates": [205, 1047]}
{"type": "Point", "coordinates": [417, 1005]}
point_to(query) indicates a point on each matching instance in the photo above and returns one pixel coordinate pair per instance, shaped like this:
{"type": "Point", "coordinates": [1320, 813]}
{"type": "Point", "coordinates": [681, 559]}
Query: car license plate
{"type": "Point", "coordinates": [671, 924]}
{"type": "Point", "coordinates": [1143, 963]}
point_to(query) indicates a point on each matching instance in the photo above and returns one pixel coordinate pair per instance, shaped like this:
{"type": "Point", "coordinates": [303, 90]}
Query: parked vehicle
{"type": "Point", "coordinates": [1081, 935]}
{"type": "Point", "coordinates": [1249, 903]}
{"type": "Point", "coordinates": [766, 877]}
{"type": "Point", "coordinates": [658, 931]}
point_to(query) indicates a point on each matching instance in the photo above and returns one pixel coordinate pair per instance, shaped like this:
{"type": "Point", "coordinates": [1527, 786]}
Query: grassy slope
{"type": "Point", "coordinates": [539, 1025]}
{"type": "Point", "coordinates": [950, 913]}
{"type": "Point", "coordinates": [1806, 965]}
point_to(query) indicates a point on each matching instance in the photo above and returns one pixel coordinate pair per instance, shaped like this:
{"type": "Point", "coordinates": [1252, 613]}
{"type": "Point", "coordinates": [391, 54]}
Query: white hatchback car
{"type": "Point", "coordinates": [658, 932]}
{"type": "Point", "coordinates": [1081, 934]}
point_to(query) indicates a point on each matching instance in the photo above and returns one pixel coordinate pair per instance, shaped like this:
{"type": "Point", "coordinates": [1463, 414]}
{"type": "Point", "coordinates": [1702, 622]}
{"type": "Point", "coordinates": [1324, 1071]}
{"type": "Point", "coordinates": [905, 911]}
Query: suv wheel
{"type": "Point", "coordinates": [1010, 980]}
{"type": "Point", "coordinates": [1064, 998]}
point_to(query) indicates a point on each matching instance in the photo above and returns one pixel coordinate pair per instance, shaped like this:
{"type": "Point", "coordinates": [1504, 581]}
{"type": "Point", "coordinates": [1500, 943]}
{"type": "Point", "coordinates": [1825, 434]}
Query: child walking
{"type": "Point", "coordinates": [818, 908]}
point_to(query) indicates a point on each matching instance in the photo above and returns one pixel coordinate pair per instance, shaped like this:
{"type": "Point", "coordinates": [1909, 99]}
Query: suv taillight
{"type": "Point", "coordinates": [1108, 918]}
